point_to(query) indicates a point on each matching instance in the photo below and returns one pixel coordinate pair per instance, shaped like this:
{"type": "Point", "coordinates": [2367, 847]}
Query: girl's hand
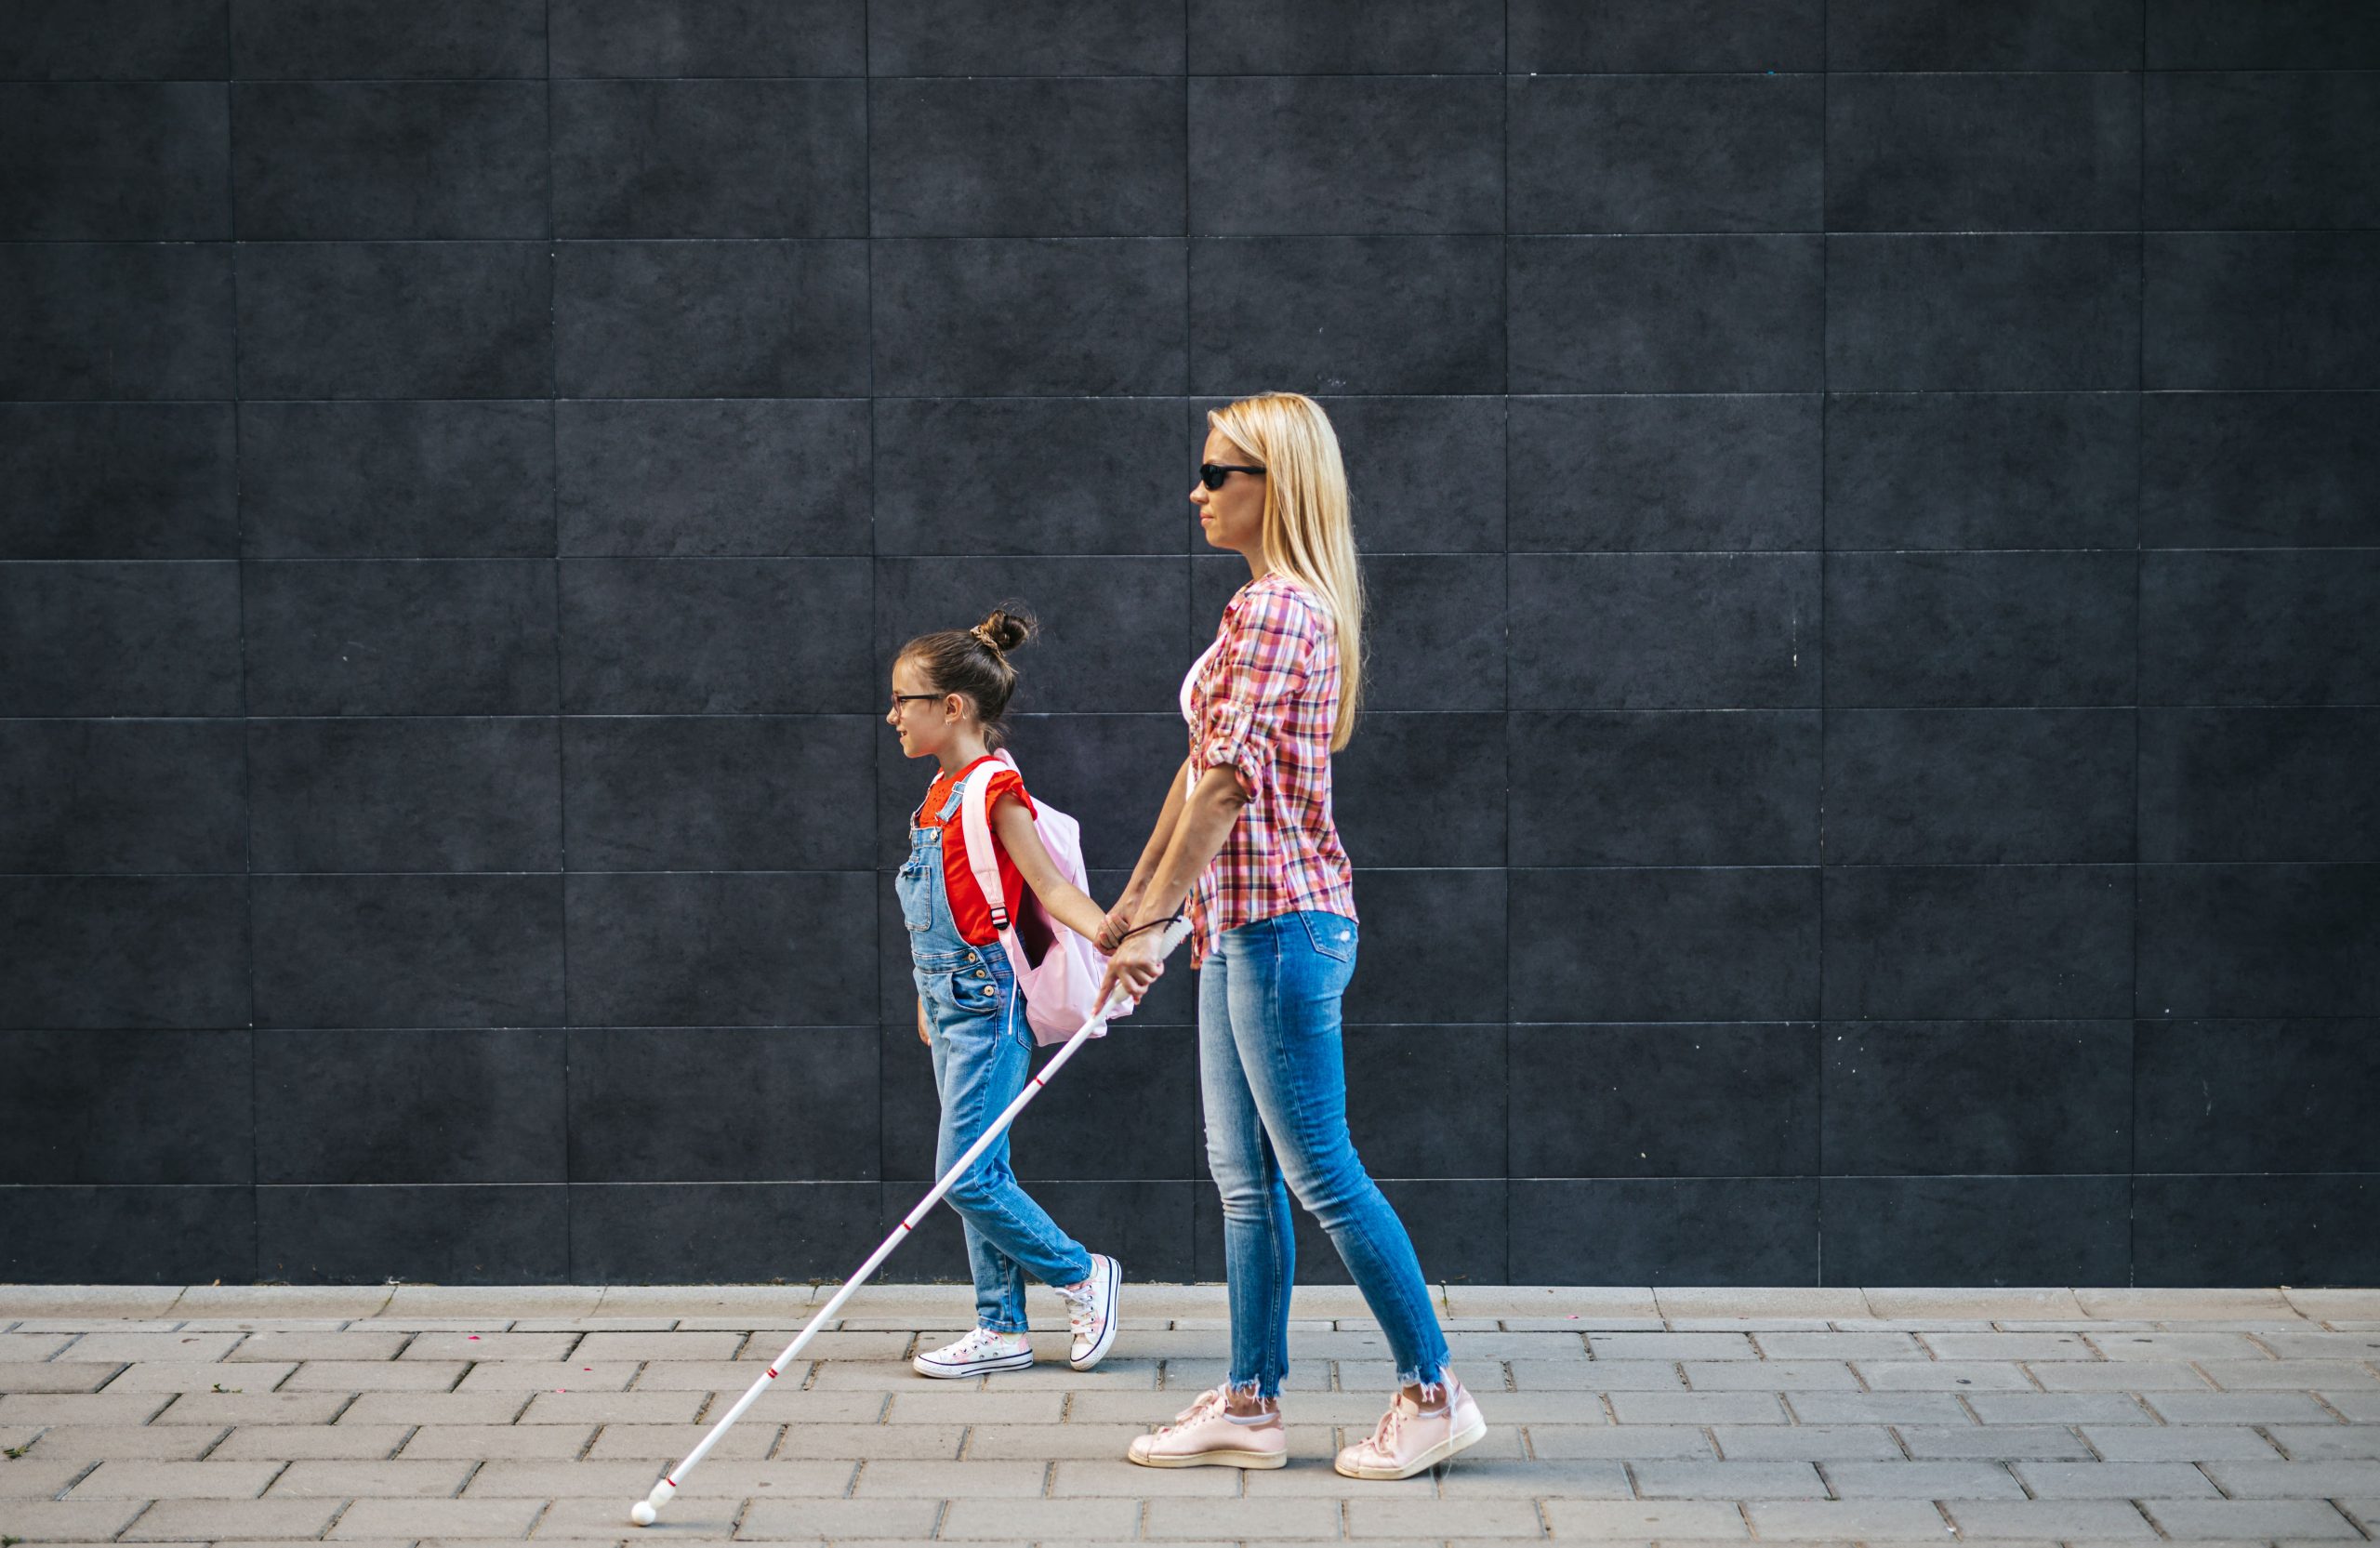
{"type": "Point", "coordinates": [921, 1024]}
{"type": "Point", "coordinates": [1137, 963]}
{"type": "Point", "coordinates": [1119, 919]}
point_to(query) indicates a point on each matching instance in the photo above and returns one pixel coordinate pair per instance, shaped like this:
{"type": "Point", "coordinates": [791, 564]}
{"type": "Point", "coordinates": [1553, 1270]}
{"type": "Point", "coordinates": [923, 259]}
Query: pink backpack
{"type": "Point", "coordinates": [1057, 970]}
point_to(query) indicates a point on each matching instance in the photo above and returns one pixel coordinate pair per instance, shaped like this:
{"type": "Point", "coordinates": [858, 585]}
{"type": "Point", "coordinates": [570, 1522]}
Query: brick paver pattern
{"type": "Point", "coordinates": [422, 1415]}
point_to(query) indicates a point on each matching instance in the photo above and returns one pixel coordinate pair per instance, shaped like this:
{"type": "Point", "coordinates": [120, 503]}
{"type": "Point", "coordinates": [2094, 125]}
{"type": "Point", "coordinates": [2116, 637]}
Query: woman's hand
{"type": "Point", "coordinates": [1119, 919]}
{"type": "Point", "coordinates": [921, 1024]}
{"type": "Point", "coordinates": [1137, 963]}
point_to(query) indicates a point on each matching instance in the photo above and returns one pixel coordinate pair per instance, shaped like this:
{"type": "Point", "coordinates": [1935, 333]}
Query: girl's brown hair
{"type": "Point", "coordinates": [974, 662]}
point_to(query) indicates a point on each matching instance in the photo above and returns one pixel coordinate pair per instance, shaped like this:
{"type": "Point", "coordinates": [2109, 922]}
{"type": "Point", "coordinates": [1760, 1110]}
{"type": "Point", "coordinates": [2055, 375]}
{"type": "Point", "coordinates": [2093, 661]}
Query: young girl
{"type": "Point", "coordinates": [949, 690]}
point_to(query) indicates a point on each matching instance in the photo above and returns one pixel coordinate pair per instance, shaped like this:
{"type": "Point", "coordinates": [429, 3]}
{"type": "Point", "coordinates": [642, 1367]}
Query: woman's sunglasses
{"type": "Point", "coordinates": [1213, 474]}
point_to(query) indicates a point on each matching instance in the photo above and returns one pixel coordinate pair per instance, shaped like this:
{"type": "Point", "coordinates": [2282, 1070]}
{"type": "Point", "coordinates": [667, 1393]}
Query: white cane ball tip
{"type": "Point", "coordinates": [642, 1513]}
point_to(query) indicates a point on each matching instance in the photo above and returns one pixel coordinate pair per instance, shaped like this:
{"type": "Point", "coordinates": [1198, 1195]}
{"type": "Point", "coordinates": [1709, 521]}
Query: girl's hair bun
{"type": "Point", "coordinates": [1007, 629]}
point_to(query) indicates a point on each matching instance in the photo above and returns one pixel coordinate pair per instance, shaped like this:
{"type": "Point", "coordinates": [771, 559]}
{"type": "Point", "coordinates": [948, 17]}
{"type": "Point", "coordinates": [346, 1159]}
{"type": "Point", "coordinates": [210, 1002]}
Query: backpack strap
{"type": "Point", "coordinates": [981, 858]}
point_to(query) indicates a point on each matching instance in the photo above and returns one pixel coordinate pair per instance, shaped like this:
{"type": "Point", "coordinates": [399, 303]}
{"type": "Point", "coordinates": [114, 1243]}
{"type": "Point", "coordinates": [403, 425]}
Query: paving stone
{"type": "Point", "coordinates": [1112, 1375]}
{"type": "Point", "coordinates": [1103, 1519]}
{"type": "Point", "coordinates": [183, 1346]}
{"type": "Point", "coordinates": [490, 1347]}
{"type": "Point", "coordinates": [2361, 1408]}
{"type": "Point", "coordinates": [1624, 1442]}
{"type": "Point", "coordinates": [2235, 1408]}
{"type": "Point", "coordinates": [1781, 1300]}
{"type": "Point", "coordinates": [2298, 1519]}
{"type": "Point", "coordinates": [2177, 1346]}
{"type": "Point", "coordinates": [2010, 1346]}
{"type": "Point", "coordinates": [130, 1442]}
{"type": "Point", "coordinates": [1539, 1300]}
{"type": "Point", "coordinates": [1696, 1408]}
{"type": "Point", "coordinates": [1309, 1476]}
{"type": "Point", "coordinates": [1769, 1376]}
{"type": "Point", "coordinates": [2064, 1520]}
{"type": "Point", "coordinates": [660, 1346]}
{"type": "Point", "coordinates": [281, 1301]}
{"type": "Point", "coordinates": [827, 1442]}
{"type": "Point", "coordinates": [505, 1301]}
{"type": "Point", "coordinates": [2120, 1376]}
{"type": "Point", "coordinates": [2315, 1442]}
{"type": "Point", "coordinates": [1050, 1343]}
{"type": "Point", "coordinates": [2235, 1375]}
{"type": "Point", "coordinates": [435, 1479]}
{"type": "Point", "coordinates": [38, 1479]}
{"type": "Point", "coordinates": [1842, 1520]}
{"type": "Point", "coordinates": [443, 1408]}
{"type": "Point", "coordinates": [2331, 1305]}
{"type": "Point", "coordinates": [264, 1324]}
{"type": "Point", "coordinates": [1992, 1442]}
{"type": "Point", "coordinates": [192, 1520]}
{"type": "Point", "coordinates": [1672, 1346]}
{"type": "Point", "coordinates": [809, 1520]}
{"type": "Point", "coordinates": [1923, 1481]}
{"type": "Point", "coordinates": [1942, 1376]}
{"type": "Point", "coordinates": [479, 1516]}
{"type": "Point", "coordinates": [2366, 1514]}
{"type": "Point", "coordinates": [750, 1440]}
{"type": "Point", "coordinates": [962, 1480]}
{"type": "Point", "coordinates": [161, 1480]}
{"type": "Point", "coordinates": [57, 1376]}
{"type": "Point", "coordinates": [2182, 1305]}
{"type": "Point", "coordinates": [257, 1407]}
{"type": "Point", "coordinates": [511, 1479]}
{"type": "Point", "coordinates": [374, 1376]}
{"type": "Point", "coordinates": [62, 1408]}
{"type": "Point", "coordinates": [748, 1301]}
{"type": "Point", "coordinates": [509, 1442]}
{"type": "Point", "coordinates": [2296, 1480]}
{"type": "Point", "coordinates": [1806, 1443]}
{"type": "Point", "coordinates": [279, 1347]}
{"type": "Point", "coordinates": [1985, 1304]}
{"type": "Point", "coordinates": [294, 1442]}
{"type": "Point", "coordinates": [604, 1408]}
{"type": "Point", "coordinates": [1831, 1345]}
{"type": "Point", "coordinates": [2112, 1480]}
{"type": "Point", "coordinates": [1645, 1519]}
{"type": "Point", "coordinates": [1595, 1376]}
{"type": "Point", "coordinates": [1115, 1477]}
{"type": "Point", "coordinates": [596, 1325]}
{"type": "Point", "coordinates": [2321, 1345]}
{"type": "Point", "coordinates": [45, 1521]}
{"type": "Point", "coordinates": [87, 1301]}
{"type": "Point", "coordinates": [1729, 1480]}
{"type": "Point", "coordinates": [543, 1376]}
{"type": "Point", "coordinates": [941, 1405]}
{"type": "Point", "coordinates": [2190, 1443]}
{"type": "Point", "coordinates": [201, 1376]}
{"type": "Point", "coordinates": [32, 1348]}
{"type": "Point", "coordinates": [1878, 1408]}
{"type": "Point", "coordinates": [1403, 1520]}
{"type": "Point", "coordinates": [2059, 1407]}
{"type": "Point", "coordinates": [1534, 1478]}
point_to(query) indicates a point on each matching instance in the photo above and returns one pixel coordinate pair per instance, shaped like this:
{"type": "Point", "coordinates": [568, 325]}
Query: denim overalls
{"type": "Point", "coordinates": [982, 1055]}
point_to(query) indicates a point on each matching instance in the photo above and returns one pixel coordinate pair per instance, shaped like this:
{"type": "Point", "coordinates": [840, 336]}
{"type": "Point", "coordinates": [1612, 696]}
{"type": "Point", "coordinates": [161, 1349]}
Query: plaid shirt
{"type": "Point", "coordinates": [1263, 701]}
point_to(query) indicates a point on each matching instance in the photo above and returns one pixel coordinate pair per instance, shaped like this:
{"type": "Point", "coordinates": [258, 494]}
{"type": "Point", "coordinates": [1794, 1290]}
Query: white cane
{"type": "Point", "coordinates": [648, 1509]}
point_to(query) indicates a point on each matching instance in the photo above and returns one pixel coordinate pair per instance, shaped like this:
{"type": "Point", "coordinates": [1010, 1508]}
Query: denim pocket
{"type": "Point", "coordinates": [917, 903]}
{"type": "Point", "coordinates": [1333, 935]}
{"type": "Point", "coordinates": [974, 991]}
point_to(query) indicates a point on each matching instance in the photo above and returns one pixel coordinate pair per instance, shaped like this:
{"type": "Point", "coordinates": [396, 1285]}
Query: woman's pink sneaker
{"type": "Point", "coordinates": [1201, 1435]}
{"type": "Point", "coordinates": [1407, 1440]}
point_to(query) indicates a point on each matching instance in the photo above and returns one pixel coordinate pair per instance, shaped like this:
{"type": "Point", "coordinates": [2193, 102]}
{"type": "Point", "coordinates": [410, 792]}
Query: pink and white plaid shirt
{"type": "Point", "coordinates": [1263, 701]}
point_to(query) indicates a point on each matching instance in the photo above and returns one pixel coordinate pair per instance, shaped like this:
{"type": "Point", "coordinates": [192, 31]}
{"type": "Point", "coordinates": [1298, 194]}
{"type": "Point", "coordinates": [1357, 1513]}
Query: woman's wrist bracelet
{"type": "Point", "coordinates": [1153, 924]}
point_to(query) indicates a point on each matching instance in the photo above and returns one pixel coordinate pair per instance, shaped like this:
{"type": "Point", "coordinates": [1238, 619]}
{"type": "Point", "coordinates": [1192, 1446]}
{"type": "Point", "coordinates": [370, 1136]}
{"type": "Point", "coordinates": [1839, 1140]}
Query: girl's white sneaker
{"type": "Point", "coordinates": [980, 1350]}
{"type": "Point", "coordinates": [1090, 1312]}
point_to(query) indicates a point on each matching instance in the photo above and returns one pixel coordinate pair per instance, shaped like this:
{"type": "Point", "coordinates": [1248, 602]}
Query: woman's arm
{"type": "Point", "coordinates": [1205, 823]}
{"type": "Point", "coordinates": [1119, 917]}
{"type": "Point", "coordinates": [1068, 902]}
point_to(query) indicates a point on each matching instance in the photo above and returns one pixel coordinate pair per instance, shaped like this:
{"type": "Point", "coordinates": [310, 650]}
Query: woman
{"type": "Point", "coordinates": [1246, 844]}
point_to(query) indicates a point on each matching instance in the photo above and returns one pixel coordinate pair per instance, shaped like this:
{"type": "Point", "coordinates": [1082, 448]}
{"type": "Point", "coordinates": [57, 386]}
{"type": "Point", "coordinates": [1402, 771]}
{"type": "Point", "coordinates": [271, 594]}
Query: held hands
{"type": "Point", "coordinates": [1136, 964]}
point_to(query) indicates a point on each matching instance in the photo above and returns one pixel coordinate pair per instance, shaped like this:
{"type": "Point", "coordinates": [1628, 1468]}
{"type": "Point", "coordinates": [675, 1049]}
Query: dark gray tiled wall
{"type": "Point", "coordinates": [1873, 508]}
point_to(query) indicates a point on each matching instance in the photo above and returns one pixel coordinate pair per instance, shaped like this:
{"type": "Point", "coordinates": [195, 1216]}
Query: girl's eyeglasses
{"type": "Point", "coordinates": [899, 699]}
{"type": "Point", "coordinates": [1213, 474]}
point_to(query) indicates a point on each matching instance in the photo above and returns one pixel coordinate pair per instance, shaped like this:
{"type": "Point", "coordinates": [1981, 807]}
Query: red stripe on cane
{"type": "Point", "coordinates": [773, 1373]}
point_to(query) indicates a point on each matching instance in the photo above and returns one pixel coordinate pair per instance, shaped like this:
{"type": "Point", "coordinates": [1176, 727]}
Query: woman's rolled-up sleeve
{"type": "Point", "coordinates": [1260, 669]}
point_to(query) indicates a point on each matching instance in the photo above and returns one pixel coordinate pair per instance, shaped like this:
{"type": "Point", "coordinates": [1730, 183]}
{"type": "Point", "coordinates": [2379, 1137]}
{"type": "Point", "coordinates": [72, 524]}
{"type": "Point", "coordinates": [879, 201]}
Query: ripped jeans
{"type": "Point", "coordinates": [1274, 1087]}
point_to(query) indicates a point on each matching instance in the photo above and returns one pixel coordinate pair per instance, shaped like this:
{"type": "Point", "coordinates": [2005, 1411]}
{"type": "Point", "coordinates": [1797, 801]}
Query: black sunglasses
{"type": "Point", "coordinates": [1213, 474]}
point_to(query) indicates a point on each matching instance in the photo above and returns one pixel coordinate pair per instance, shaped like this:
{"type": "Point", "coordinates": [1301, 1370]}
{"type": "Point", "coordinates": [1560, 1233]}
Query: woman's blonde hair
{"type": "Point", "coordinates": [1308, 535]}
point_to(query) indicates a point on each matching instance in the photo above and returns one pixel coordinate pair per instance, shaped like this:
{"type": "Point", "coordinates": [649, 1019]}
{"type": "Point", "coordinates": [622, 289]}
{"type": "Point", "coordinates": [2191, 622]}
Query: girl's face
{"type": "Point", "coordinates": [1232, 517]}
{"type": "Point", "coordinates": [924, 719]}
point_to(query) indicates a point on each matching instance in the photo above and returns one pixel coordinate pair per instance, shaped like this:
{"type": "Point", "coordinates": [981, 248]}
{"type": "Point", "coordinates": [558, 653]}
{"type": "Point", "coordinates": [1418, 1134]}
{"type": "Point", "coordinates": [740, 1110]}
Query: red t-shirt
{"type": "Point", "coordinates": [968, 909]}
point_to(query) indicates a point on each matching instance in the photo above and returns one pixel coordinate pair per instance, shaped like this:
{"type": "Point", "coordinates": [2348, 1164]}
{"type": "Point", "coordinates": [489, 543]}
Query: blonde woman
{"type": "Point", "coordinates": [1245, 842]}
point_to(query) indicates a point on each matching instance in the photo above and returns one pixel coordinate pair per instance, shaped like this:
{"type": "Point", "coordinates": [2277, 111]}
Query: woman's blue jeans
{"type": "Point", "coordinates": [1274, 1084]}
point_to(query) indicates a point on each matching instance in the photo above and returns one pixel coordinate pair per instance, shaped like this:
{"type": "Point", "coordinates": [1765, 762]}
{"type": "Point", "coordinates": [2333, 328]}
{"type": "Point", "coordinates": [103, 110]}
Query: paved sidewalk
{"type": "Point", "coordinates": [423, 1414]}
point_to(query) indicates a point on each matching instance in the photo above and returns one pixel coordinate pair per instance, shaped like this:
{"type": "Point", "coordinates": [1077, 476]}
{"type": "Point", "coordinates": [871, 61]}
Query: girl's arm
{"type": "Point", "coordinates": [1119, 917]}
{"type": "Point", "coordinates": [1066, 903]}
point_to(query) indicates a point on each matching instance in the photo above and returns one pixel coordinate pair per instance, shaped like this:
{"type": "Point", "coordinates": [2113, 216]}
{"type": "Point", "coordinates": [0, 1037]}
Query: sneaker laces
{"type": "Point", "coordinates": [1201, 1408]}
{"type": "Point", "coordinates": [1383, 1437]}
{"type": "Point", "coordinates": [976, 1338]}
